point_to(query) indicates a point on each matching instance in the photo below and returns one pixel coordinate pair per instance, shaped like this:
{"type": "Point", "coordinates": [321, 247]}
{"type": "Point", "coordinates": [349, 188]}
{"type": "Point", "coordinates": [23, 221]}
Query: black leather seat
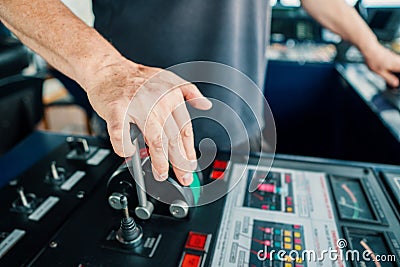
{"type": "Point", "coordinates": [21, 105]}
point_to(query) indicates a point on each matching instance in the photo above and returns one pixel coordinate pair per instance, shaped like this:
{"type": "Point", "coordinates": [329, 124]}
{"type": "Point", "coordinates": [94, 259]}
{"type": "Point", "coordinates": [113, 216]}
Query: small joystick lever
{"type": "Point", "coordinates": [128, 234]}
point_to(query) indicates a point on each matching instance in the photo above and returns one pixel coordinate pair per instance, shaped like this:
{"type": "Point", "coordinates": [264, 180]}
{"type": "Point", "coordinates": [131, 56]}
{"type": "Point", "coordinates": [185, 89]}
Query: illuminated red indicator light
{"type": "Point", "coordinates": [191, 260]}
{"type": "Point", "coordinates": [217, 174]}
{"type": "Point", "coordinates": [220, 164]}
{"type": "Point", "coordinates": [267, 230]}
{"type": "Point", "coordinates": [296, 226]}
{"type": "Point", "coordinates": [270, 188]}
{"type": "Point", "coordinates": [144, 152]}
{"type": "Point", "coordinates": [196, 241]}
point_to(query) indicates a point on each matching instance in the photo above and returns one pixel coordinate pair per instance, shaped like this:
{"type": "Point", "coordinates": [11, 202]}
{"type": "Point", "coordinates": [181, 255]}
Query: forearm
{"type": "Point", "coordinates": [49, 28]}
{"type": "Point", "coordinates": [339, 17]}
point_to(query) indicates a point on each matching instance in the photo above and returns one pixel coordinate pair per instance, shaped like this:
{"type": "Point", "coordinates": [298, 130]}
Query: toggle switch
{"type": "Point", "coordinates": [25, 203]}
{"type": "Point", "coordinates": [79, 149]}
{"type": "Point", "coordinates": [56, 175]}
{"type": "Point", "coordinates": [80, 145]}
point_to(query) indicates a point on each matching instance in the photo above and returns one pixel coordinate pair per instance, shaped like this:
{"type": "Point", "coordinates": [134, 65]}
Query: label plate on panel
{"type": "Point", "coordinates": [10, 241]}
{"type": "Point", "coordinates": [43, 208]}
{"type": "Point", "coordinates": [72, 180]}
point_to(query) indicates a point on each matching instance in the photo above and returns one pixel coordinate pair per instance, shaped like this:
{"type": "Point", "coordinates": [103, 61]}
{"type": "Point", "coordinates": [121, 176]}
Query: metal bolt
{"type": "Point", "coordinates": [53, 244]}
{"type": "Point", "coordinates": [80, 194]}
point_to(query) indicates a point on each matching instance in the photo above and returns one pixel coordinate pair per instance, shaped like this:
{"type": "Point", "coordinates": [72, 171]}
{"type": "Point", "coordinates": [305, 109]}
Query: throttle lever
{"type": "Point", "coordinates": [145, 207]}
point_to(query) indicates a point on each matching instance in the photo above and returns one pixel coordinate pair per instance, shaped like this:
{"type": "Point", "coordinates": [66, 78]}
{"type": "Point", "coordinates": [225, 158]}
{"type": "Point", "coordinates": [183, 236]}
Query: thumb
{"type": "Point", "coordinates": [119, 131]}
{"type": "Point", "coordinates": [192, 94]}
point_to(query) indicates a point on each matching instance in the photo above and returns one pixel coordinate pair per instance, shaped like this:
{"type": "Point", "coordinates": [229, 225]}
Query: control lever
{"type": "Point", "coordinates": [145, 207]}
{"type": "Point", "coordinates": [128, 233]}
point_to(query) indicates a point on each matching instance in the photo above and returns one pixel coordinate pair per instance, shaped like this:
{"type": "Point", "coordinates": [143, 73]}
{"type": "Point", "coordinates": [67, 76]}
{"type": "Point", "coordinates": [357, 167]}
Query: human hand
{"type": "Point", "coordinates": [153, 99]}
{"type": "Point", "coordinates": [383, 62]}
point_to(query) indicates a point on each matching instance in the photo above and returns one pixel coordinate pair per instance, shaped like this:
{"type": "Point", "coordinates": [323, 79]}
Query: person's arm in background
{"type": "Point", "coordinates": [339, 17]}
{"type": "Point", "coordinates": [111, 81]}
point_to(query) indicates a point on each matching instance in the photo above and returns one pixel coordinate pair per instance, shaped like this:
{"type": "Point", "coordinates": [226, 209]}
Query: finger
{"type": "Point", "coordinates": [119, 130]}
{"type": "Point", "coordinates": [390, 78]}
{"type": "Point", "coordinates": [176, 152]}
{"type": "Point", "coordinates": [192, 94]}
{"type": "Point", "coordinates": [158, 148]}
{"type": "Point", "coordinates": [394, 62]}
{"type": "Point", "coordinates": [183, 121]}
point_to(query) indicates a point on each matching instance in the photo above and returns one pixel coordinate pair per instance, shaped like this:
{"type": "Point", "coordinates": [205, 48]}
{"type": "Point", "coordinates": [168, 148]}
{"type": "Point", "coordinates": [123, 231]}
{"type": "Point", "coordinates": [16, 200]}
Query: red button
{"type": "Point", "coordinates": [220, 164]}
{"type": "Point", "coordinates": [196, 241]}
{"type": "Point", "coordinates": [217, 174]}
{"type": "Point", "coordinates": [288, 178]}
{"type": "Point", "coordinates": [190, 260]}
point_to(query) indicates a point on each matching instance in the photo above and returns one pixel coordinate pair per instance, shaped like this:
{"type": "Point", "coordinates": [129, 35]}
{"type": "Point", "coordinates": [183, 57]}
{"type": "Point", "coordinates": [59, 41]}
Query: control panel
{"type": "Point", "coordinates": [83, 206]}
{"type": "Point", "coordinates": [35, 205]}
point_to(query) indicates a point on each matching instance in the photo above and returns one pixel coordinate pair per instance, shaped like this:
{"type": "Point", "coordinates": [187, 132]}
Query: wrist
{"type": "Point", "coordinates": [105, 68]}
{"type": "Point", "coordinates": [368, 45]}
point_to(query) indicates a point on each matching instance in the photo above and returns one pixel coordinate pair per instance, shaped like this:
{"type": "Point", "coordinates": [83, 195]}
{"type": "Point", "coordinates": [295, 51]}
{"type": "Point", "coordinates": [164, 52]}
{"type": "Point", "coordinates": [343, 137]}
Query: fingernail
{"type": "Point", "coordinates": [208, 102]}
{"type": "Point", "coordinates": [187, 179]}
{"type": "Point", "coordinates": [164, 176]}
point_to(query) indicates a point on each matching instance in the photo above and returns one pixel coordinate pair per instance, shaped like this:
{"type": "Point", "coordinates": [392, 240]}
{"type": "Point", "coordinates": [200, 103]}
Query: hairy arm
{"type": "Point", "coordinates": [49, 28]}
{"type": "Point", "coordinates": [339, 17]}
{"type": "Point", "coordinates": [120, 91]}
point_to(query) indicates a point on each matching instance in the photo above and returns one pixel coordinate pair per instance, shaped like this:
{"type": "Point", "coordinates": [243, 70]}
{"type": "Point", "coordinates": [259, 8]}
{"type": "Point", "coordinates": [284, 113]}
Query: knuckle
{"type": "Point", "coordinates": [187, 130]}
{"type": "Point", "coordinates": [156, 141]}
{"type": "Point", "coordinates": [174, 140]}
